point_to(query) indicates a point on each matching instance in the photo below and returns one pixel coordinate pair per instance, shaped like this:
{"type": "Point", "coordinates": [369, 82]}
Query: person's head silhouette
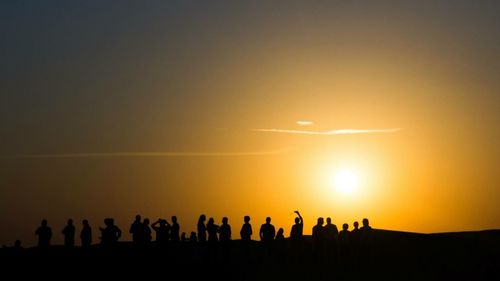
{"type": "Point", "coordinates": [70, 222]}
{"type": "Point", "coordinates": [345, 226]}
{"type": "Point", "coordinates": [366, 223]}
{"type": "Point", "coordinates": [280, 231]}
{"type": "Point", "coordinates": [202, 218]}
{"type": "Point", "coordinates": [211, 221]}
{"type": "Point", "coordinates": [320, 221]}
{"type": "Point", "coordinates": [268, 220]}
{"type": "Point", "coordinates": [225, 220]}
{"type": "Point", "coordinates": [246, 219]}
{"type": "Point", "coordinates": [85, 222]}
{"type": "Point", "coordinates": [328, 220]}
{"type": "Point", "coordinates": [44, 222]}
{"type": "Point", "coordinates": [174, 219]}
{"type": "Point", "coordinates": [138, 218]}
{"type": "Point", "coordinates": [356, 225]}
{"type": "Point", "coordinates": [146, 221]}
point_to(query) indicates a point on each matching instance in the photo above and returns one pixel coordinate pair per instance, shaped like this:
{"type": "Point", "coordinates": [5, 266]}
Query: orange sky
{"type": "Point", "coordinates": [159, 109]}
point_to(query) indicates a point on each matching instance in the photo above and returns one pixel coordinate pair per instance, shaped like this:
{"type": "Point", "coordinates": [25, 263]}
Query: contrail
{"type": "Point", "coordinates": [146, 154]}
{"type": "Point", "coordinates": [329, 133]}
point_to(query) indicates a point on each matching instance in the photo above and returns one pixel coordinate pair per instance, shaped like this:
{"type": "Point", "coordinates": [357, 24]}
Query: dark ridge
{"type": "Point", "coordinates": [392, 255]}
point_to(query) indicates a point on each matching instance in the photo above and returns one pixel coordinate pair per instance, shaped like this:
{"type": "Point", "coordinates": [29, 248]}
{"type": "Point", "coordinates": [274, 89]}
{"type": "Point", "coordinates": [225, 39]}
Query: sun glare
{"type": "Point", "coordinates": [346, 182]}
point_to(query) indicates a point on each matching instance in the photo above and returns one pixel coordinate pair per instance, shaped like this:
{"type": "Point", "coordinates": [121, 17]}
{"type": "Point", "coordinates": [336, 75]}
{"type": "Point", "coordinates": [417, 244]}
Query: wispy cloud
{"type": "Point", "coordinates": [146, 154]}
{"type": "Point", "coordinates": [329, 133]}
{"type": "Point", "coordinates": [304, 123]}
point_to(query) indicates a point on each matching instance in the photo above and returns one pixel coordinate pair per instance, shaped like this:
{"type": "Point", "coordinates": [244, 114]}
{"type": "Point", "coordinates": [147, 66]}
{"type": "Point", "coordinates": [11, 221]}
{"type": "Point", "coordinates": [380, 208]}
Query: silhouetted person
{"type": "Point", "coordinates": [147, 232]}
{"type": "Point", "coordinates": [365, 245]}
{"type": "Point", "coordinates": [212, 230]}
{"type": "Point", "coordinates": [174, 231]}
{"type": "Point", "coordinates": [111, 233]}
{"type": "Point", "coordinates": [86, 234]}
{"type": "Point", "coordinates": [280, 242]}
{"type": "Point", "coordinates": [162, 228]}
{"type": "Point", "coordinates": [225, 231]}
{"type": "Point", "coordinates": [137, 231]}
{"type": "Point", "coordinates": [246, 230]}
{"type": "Point", "coordinates": [246, 237]}
{"type": "Point", "coordinates": [318, 239]}
{"type": "Point", "coordinates": [17, 250]}
{"type": "Point", "coordinates": [184, 237]}
{"type": "Point", "coordinates": [44, 234]}
{"type": "Point", "coordinates": [296, 235]}
{"type": "Point", "coordinates": [202, 229]}
{"type": "Point", "coordinates": [344, 244]}
{"type": "Point", "coordinates": [17, 245]}
{"type": "Point", "coordinates": [225, 237]}
{"type": "Point", "coordinates": [267, 231]}
{"type": "Point", "coordinates": [280, 235]}
{"type": "Point", "coordinates": [366, 228]}
{"type": "Point", "coordinates": [355, 238]}
{"type": "Point", "coordinates": [192, 238]}
{"type": "Point", "coordinates": [296, 232]}
{"type": "Point", "coordinates": [331, 234]}
{"type": "Point", "coordinates": [69, 234]}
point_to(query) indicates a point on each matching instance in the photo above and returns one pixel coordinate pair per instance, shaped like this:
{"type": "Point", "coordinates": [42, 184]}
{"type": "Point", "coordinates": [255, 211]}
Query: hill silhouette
{"type": "Point", "coordinates": [393, 255]}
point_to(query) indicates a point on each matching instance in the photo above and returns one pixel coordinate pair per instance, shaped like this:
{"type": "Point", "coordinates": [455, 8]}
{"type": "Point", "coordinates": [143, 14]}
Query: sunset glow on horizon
{"type": "Point", "coordinates": [389, 111]}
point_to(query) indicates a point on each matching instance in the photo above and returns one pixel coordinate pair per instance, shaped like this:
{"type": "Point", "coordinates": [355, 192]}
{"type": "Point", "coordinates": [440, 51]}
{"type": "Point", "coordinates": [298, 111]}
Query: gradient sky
{"type": "Point", "coordinates": [113, 108]}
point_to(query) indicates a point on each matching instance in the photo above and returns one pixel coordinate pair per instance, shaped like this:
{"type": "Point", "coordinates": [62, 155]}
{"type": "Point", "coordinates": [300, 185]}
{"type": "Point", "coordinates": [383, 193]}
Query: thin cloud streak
{"type": "Point", "coordinates": [329, 133]}
{"type": "Point", "coordinates": [304, 123]}
{"type": "Point", "coordinates": [146, 154]}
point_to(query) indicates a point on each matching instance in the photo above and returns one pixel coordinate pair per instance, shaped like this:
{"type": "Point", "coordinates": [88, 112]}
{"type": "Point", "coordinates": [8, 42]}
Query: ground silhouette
{"type": "Point", "coordinates": [387, 255]}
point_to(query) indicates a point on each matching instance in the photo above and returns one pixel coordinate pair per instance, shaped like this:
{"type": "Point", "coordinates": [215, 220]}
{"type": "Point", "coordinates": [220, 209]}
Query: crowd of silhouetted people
{"type": "Point", "coordinates": [348, 250]}
{"type": "Point", "coordinates": [327, 243]}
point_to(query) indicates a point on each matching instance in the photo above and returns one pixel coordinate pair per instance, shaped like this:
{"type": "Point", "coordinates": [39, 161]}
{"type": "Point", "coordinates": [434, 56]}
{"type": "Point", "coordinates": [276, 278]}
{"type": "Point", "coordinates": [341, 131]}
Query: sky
{"type": "Point", "coordinates": [387, 110]}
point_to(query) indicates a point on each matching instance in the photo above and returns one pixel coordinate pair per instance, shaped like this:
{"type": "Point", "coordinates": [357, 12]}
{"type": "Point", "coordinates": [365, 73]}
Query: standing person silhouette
{"type": "Point", "coordinates": [318, 239]}
{"type": "Point", "coordinates": [296, 235]}
{"type": "Point", "coordinates": [111, 233]}
{"type": "Point", "coordinates": [137, 231]}
{"type": "Point", "coordinates": [296, 232]}
{"type": "Point", "coordinates": [202, 229]}
{"type": "Point", "coordinates": [69, 234]}
{"type": "Point", "coordinates": [331, 234]}
{"type": "Point", "coordinates": [162, 232]}
{"type": "Point", "coordinates": [267, 233]}
{"type": "Point", "coordinates": [146, 232]}
{"type": "Point", "coordinates": [86, 234]}
{"type": "Point", "coordinates": [365, 244]}
{"type": "Point", "coordinates": [280, 234]}
{"type": "Point", "coordinates": [279, 241]}
{"type": "Point", "coordinates": [174, 231]}
{"type": "Point", "coordinates": [246, 230]}
{"type": "Point", "coordinates": [212, 230]}
{"type": "Point", "coordinates": [246, 238]}
{"type": "Point", "coordinates": [225, 231]}
{"type": "Point", "coordinates": [344, 244]}
{"type": "Point", "coordinates": [44, 233]}
{"type": "Point", "coordinates": [355, 242]}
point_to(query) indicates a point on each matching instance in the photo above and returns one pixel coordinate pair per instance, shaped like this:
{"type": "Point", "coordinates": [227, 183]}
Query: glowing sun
{"type": "Point", "coordinates": [346, 182]}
